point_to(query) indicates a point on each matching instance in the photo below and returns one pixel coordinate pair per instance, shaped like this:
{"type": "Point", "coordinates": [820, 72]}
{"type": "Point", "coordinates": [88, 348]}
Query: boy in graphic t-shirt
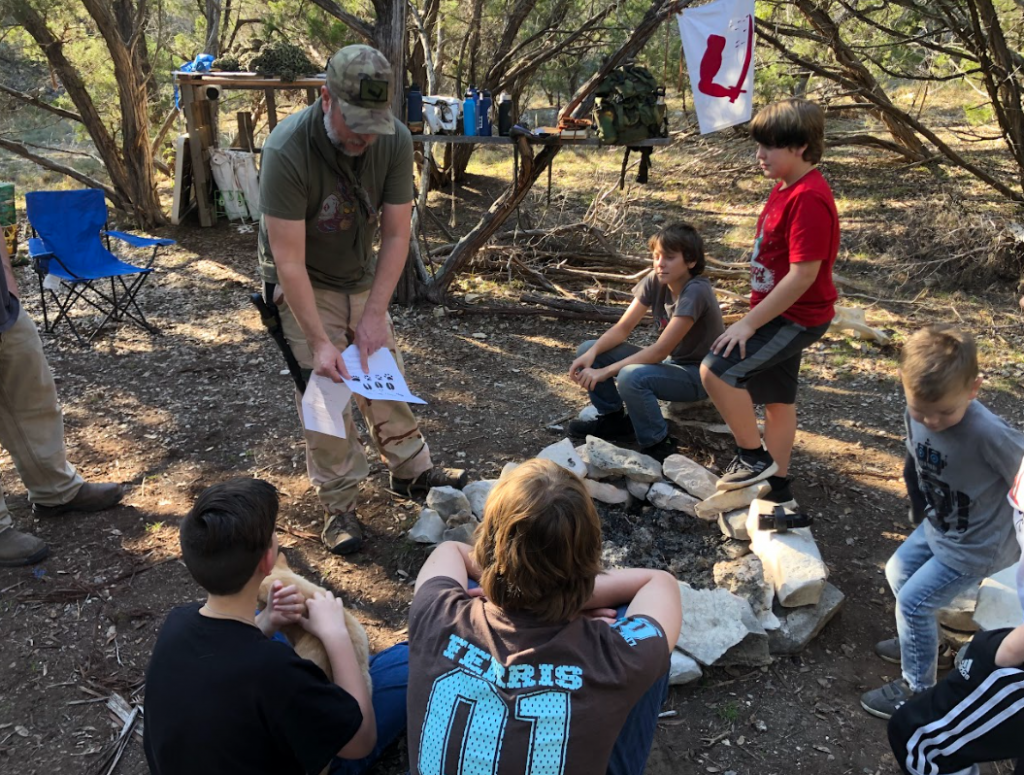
{"type": "Point", "coordinates": [520, 679]}
{"type": "Point", "coordinates": [615, 373]}
{"type": "Point", "coordinates": [757, 359]}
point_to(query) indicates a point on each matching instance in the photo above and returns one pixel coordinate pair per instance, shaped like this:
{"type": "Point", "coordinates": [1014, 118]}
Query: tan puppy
{"type": "Point", "coordinates": [307, 645]}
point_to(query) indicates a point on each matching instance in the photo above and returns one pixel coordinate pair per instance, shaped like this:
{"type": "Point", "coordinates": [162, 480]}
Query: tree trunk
{"type": "Point", "coordinates": [212, 45]}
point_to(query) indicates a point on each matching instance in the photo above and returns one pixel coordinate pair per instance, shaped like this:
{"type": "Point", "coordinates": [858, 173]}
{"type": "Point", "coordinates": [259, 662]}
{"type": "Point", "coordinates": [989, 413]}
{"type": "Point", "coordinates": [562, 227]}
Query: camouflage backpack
{"type": "Point", "coordinates": [630, 107]}
{"type": "Point", "coordinates": [627, 106]}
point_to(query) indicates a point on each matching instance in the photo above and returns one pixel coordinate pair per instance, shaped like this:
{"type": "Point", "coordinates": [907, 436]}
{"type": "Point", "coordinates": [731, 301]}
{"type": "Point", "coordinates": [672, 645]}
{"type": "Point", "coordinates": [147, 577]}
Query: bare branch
{"type": "Point", "coordinates": [21, 150]}
{"type": "Point", "coordinates": [36, 102]}
{"type": "Point", "coordinates": [362, 28]}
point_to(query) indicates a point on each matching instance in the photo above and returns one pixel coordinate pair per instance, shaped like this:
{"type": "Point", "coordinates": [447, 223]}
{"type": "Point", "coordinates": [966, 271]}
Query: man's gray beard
{"type": "Point", "coordinates": [333, 136]}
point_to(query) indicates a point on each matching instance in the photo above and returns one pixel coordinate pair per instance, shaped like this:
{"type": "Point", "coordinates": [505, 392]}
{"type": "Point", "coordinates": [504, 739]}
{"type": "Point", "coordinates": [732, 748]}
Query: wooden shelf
{"type": "Point", "coordinates": [247, 80]}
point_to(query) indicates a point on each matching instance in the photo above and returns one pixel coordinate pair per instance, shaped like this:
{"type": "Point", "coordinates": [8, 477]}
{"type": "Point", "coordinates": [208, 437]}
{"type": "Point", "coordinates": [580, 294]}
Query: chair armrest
{"type": "Point", "coordinates": [139, 242]}
{"type": "Point", "coordinates": [37, 248]}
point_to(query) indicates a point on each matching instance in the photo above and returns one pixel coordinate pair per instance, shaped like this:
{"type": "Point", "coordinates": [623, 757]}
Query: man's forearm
{"type": "Point", "coordinates": [390, 264]}
{"type": "Point", "coordinates": [298, 291]}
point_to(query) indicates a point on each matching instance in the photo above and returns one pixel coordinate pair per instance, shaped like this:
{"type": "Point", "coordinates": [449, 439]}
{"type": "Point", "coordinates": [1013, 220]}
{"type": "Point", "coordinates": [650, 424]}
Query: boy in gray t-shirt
{"type": "Point", "coordinates": [615, 373]}
{"type": "Point", "coordinates": [961, 462]}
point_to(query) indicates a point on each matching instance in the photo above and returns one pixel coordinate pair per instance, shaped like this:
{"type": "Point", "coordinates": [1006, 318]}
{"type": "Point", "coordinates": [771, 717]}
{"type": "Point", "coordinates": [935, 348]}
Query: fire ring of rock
{"type": "Point", "coordinates": [747, 594]}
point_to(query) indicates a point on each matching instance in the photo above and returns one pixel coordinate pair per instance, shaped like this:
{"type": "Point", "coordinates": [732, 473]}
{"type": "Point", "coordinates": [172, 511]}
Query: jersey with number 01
{"type": "Point", "coordinates": [496, 693]}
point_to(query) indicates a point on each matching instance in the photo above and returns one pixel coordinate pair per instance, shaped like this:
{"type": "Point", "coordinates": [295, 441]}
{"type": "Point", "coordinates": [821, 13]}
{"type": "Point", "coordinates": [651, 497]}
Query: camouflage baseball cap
{"type": "Point", "coordinates": [359, 79]}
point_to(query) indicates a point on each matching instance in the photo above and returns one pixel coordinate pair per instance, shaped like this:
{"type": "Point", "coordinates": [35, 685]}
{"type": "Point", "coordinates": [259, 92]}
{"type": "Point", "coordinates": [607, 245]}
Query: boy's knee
{"type": "Point", "coordinates": [631, 377]}
{"type": "Point", "coordinates": [585, 346]}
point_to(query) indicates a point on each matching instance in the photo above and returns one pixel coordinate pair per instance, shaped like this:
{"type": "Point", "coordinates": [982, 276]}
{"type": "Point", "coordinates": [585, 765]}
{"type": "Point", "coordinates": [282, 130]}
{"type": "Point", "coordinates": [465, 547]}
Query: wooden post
{"type": "Point", "coordinates": [200, 179]}
{"type": "Point", "coordinates": [271, 109]}
{"type": "Point", "coordinates": [311, 95]}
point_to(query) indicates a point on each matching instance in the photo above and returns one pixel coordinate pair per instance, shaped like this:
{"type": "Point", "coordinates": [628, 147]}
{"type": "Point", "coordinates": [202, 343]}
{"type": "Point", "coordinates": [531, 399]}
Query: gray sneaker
{"type": "Point", "coordinates": [884, 701]}
{"type": "Point", "coordinates": [17, 548]}
{"type": "Point", "coordinates": [889, 650]}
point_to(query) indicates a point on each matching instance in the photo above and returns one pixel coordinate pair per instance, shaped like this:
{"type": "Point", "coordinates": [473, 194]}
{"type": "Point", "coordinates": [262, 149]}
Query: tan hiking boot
{"type": "Point", "coordinates": [17, 548]}
{"type": "Point", "coordinates": [92, 496]}
{"type": "Point", "coordinates": [432, 477]}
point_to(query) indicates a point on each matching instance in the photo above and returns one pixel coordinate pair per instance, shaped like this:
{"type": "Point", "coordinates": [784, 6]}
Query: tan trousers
{"type": "Point", "coordinates": [336, 466]}
{"type": "Point", "coordinates": [31, 422]}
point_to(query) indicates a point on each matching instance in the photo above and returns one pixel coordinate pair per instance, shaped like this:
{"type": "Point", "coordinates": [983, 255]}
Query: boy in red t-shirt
{"type": "Point", "coordinates": [757, 359]}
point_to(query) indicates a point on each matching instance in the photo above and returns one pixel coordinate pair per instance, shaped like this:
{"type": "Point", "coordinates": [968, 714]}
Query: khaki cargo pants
{"type": "Point", "coordinates": [31, 422]}
{"type": "Point", "coordinates": [336, 466]}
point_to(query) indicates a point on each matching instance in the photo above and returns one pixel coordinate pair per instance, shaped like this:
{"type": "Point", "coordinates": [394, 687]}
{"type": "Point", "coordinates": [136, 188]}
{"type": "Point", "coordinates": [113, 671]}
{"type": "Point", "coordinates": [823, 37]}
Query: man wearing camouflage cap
{"type": "Point", "coordinates": [330, 176]}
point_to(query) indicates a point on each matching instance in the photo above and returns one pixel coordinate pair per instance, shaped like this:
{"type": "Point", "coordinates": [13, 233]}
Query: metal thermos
{"type": "Point", "coordinates": [485, 114]}
{"type": "Point", "coordinates": [504, 114]}
{"type": "Point", "coordinates": [469, 113]}
{"type": "Point", "coordinates": [414, 110]}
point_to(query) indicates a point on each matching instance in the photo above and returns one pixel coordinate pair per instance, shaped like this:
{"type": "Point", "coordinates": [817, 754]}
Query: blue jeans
{"type": "Point", "coordinates": [640, 386]}
{"type": "Point", "coordinates": [922, 585]}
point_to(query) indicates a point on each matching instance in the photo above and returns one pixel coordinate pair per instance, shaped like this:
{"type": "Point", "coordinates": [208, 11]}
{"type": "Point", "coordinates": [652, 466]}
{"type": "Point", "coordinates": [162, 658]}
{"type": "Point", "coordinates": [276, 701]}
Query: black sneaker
{"type": "Point", "coordinates": [667, 446]}
{"type": "Point", "coordinates": [432, 477]}
{"type": "Point", "coordinates": [748, 467]}
{"type": "Point", "coordinates": [343, 534]}
{"type": "Point", "coordinates": [889, 650]}
{"type": "Point", "coordinates": [780, 493]}
{"type": "Point", "coordinates": [610, 427]}
{"type": "Point", "coordinates": [884, 701]}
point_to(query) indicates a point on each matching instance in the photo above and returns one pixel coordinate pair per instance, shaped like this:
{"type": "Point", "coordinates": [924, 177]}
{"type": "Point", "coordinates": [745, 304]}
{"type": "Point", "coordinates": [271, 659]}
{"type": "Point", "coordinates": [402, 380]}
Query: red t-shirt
{"type": "Point", "coordinates": [798, 223]}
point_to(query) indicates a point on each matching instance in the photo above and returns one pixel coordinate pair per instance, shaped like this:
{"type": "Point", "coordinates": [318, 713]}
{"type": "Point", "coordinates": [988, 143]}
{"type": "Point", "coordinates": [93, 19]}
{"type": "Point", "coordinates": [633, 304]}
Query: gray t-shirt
{"type": "Point", "coordinates": [1016, 499]}
{"type": "Point", "coordinates": [9, 306]}
{"type": "Point", "coordinates": [696, 301]}
{"type": "Point", "coordinates": [964, 474]}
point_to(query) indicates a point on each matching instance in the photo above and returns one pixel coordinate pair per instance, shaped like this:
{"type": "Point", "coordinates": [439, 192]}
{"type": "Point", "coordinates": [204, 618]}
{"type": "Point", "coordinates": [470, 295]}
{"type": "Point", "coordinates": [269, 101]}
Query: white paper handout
{"type": "Point", "coordinates": [384, 382]}
{"type": "Point", "coordinates": [718, 41]}
{"type": "Point", "coordinates": [323, 406]}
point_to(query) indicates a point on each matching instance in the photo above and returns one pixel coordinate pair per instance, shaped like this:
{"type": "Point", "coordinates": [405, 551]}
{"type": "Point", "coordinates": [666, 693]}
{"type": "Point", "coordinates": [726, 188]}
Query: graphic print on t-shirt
{"type": "Point", "coordinates": [467, 717]}
{"type": "Point", "coordinates": [635, 630]}
{"type": "Point", "coordinates": [338, 211]}
{"type": "Point", "coordinates": [948, 507]}
{"type": "Point", "coordinates": [762, 279]}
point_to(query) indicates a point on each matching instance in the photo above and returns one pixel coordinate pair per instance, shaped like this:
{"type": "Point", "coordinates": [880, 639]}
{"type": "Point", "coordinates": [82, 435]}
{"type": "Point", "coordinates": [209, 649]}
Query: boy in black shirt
{"type": "Point", "coordinates": [221, 696]}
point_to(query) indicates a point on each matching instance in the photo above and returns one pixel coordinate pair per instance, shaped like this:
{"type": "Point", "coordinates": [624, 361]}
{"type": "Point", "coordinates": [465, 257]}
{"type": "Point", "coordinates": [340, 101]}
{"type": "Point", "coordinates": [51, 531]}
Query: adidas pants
{"type": "Point", "coordinates": [975, 715]}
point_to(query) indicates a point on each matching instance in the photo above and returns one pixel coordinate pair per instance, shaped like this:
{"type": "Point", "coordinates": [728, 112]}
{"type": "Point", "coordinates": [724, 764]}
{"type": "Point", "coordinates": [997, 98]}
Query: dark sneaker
{"type": "Point", "coordinates": [667, 446]}
{"type": "Point", "coordinates": [780, 493]}
{"type": "Point", "coordinates": [889, 650]}
{"type": "Point", "coordinates": [17, 548]}
{"type": "Point", "coordinates": [610, 427]}
{"type": "Point", "coordinates": [748, 467]}
{"type": "Point", "coordinates": [886, 700]}
{"type": "Point", "coordinates": [92, 496]}
{"type": "Point", "coordinates": [343, 534]}
{"type": "Point", "coordinates": [432, 477]}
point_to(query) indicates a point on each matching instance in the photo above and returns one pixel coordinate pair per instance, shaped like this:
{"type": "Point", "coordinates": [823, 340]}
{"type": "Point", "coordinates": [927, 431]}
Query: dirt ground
{"type": "Point", "coordinates": [206, 400]}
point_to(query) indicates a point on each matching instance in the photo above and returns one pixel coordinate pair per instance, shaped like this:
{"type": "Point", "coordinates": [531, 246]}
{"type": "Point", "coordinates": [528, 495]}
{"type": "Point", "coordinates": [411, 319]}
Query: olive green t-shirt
{"type": "Point", "coordinates": [303, 177]}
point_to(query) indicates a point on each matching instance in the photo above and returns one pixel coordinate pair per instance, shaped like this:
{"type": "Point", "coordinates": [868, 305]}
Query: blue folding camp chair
{"type": "Point", "coordinates": [71, 260]}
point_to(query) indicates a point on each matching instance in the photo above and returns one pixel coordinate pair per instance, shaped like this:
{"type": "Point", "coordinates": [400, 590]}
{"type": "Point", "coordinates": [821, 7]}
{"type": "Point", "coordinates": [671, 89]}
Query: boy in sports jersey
{"type": "Point", "coordinates": [520, 679]}
{"type": "Point", "coordinates": [757, 359]}
{"type": "Point", "coordinates": [977, 713]}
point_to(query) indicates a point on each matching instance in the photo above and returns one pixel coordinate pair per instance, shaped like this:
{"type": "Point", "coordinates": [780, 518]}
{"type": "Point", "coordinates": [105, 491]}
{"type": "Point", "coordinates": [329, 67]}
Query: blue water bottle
{"type": "Point", "coordinates": [414, 110]}
{"type": "Point", "coordinates": [485, 114]}
{"type": "Point", "coordinates": [469, 113]}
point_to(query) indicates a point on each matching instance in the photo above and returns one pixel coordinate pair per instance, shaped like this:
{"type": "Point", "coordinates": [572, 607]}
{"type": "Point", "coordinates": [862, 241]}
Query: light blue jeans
{"type": "Point", "coordinates": [640, 386]}
{"type": "Point", "coordinates": [922, 585]}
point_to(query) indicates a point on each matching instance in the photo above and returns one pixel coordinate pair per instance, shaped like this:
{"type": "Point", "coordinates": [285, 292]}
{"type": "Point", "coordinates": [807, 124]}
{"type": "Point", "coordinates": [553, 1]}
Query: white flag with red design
{"type": "Point", "coordinates": [718, 41]}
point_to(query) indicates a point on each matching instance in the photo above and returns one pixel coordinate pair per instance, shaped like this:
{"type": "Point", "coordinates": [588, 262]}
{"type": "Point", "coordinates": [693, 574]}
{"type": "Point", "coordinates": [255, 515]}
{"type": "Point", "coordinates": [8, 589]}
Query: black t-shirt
{"type": "Point", "coordinates": [221, 697]}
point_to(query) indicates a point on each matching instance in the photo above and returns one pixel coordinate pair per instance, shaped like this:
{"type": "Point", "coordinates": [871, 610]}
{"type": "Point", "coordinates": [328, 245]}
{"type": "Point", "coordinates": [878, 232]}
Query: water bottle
{"type": "Point", "coordinates": [485, 113]}
{"type": "Point", "coordinates": [504, 113]}
{"type": "Point", "coordinates": [414, 110]}
{"type": "Point", "coordinates": [469, 113]}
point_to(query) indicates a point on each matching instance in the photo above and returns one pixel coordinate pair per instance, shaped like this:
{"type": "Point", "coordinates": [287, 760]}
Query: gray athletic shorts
{"type": "Point", "coordinates": [771, 369]}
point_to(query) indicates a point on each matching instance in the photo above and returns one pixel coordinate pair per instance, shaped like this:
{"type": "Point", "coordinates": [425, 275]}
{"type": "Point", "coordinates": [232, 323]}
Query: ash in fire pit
{"type": "Point", "coordinates": [649, 537]}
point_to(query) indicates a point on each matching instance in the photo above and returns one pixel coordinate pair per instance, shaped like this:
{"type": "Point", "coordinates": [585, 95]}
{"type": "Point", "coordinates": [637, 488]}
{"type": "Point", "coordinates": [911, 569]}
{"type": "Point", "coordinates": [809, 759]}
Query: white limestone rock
{"type": "Point", "coordinates": [959, 614]}
{"type": "Point", "coordinates": [638, 490]}
{"type": "Point", "coordinates": [734, 549]}
{"type": "Point", "coordinates": [665, 496]}
{"type": "Point", "coordinates": [744, 577]}
{"type": "Point", "coordinates": [682, 669]}
{"type": "Point", "coordinates": [506, 470]}
{"type": "Point", "coordinates": [719, 628]}
{"type": "Point", "coordinates": [799, 626]}
{"type": "Point", "coordinates": [429, 528]}
{"type": "Point", "coordinates": [565, 455]}
{"type": "Point", "coordinates": [477, 493]}
{"type": "Point", "coordinates": [729, 500]}
{"type": "Point", "coordinates": [792, 562]}
{"type": "Point", "coordinates": [734, 525]}
{"type": "Point", "coordinates": [998, 603]}
{"type": "Point", "coordinates": [608, 493]}
{"type": "Point", "coordinates": [447, 501]}
{"type": "Point", "coordinates": [593, 472]}
{"type": "Point", "coordinates": [617, 461]}
{"type": "Point", "coordinates": [690, 475]}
